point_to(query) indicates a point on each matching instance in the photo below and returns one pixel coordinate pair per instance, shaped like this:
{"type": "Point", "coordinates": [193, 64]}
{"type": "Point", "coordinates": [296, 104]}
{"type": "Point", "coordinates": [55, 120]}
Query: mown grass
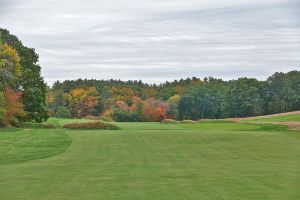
{"type": "Point", "coordinates": [18, 146]}
{"type": "Point", "coordinates": [204, 125]}
{"type": "Point", "coordinates": [161, 161]}
{"type": "Point", "coordinates": [60, 122]}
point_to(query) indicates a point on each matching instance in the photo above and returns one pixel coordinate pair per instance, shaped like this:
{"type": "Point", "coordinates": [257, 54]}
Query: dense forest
{"type": "Point", "coordinates": [25, 97]}
{"type": "Point", "coordinates": [184, 99]}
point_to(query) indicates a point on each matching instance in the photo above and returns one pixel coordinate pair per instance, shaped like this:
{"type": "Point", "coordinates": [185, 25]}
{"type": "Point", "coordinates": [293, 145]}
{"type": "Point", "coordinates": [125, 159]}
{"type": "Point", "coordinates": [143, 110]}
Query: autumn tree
{"type": "Point", "coordinates": [10, 68]}
{"type": "Point", "coordinates": [173, 103]}
{"type": "Point", "coordinates": [12, 105]}
{"type": "Point", "coordinates": [89, 105]}
{"type": "Point", "coordinates": [2, 108]}
{"type": "Point", "coordinates": [75, 101]}
{"type": "Point", "coordinates": [30, 81]}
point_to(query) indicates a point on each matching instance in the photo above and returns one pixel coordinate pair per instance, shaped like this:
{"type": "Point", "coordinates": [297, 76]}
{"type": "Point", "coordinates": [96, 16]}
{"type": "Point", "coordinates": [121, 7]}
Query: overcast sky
{"type": "Point", "coordinates": [157, 40]}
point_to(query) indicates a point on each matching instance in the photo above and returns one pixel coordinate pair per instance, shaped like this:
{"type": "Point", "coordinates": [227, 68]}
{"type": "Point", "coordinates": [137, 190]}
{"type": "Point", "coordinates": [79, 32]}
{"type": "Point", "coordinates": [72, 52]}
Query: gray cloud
{"type": "Point", "coordinates": [158, 40]}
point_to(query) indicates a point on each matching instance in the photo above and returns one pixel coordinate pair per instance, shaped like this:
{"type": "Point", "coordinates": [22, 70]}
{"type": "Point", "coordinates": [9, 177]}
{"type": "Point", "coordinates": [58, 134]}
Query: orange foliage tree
{"type": "Point", "coordinates": [13, 106]}
{"type": "Point", "coordinates": [155, 110]}
{"type": "Point", "coordinates": [89, 104]}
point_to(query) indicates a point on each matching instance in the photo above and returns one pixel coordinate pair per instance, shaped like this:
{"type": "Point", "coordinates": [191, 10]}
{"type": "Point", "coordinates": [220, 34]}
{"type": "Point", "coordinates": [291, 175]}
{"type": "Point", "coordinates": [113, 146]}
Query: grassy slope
{"type": "Point", "coordinates": [181, 161]}
{"type": "Point", "coordinates": [287, 118]}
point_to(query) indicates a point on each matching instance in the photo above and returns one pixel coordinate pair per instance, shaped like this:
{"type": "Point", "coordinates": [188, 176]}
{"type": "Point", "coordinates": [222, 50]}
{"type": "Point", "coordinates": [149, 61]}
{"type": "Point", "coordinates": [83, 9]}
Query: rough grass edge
{"type": "Point", "coordinates": [36, 125]}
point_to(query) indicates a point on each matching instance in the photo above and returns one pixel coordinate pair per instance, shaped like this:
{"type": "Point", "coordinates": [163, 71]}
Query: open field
{"type": "Point", "coordinates": [208, 160]}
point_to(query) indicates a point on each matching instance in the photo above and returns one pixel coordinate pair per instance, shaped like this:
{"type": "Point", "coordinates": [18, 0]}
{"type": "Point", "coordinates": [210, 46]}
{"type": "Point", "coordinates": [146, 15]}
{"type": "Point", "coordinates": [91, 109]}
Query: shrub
{"type": "Point", "coordinates": [92, 125]}
{"type": "Point", "coordinates": [37, 125]}
{"type": "Point", "coordinates": [16, 123]}
{"type": "Point", "coordinates": [62, 112]}
{"type": "Point", "coordinates": [188, 121]}
{"type": "Point", "coordinates": [126, 116]}
{"type": "Point", "coordinates": [169, 121]}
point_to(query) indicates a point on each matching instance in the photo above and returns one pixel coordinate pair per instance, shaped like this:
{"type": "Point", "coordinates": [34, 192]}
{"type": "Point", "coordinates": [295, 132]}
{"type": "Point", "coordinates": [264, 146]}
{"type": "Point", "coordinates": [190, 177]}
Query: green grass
{"type": "Point", "coordinates": [207, 125]}
{"type": "Point", "coordinates": [287, 118]}
{"type": "Point", "coordinates": [59, 122]}
{"type": "Point", "coordinates": [18, 146]}
{"type": "Point", "coordinates": [150, 161]}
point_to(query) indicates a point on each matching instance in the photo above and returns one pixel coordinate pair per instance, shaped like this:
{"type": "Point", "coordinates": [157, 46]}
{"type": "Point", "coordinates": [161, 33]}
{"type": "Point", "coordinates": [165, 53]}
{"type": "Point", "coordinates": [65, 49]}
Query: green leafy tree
{"type": "Point", "coordinates": [62, 112]}
{"type": "Point", "coordinates": [243, 98]}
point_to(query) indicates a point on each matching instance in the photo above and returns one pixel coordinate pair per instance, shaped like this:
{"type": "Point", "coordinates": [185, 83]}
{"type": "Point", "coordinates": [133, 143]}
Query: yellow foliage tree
{"type": "Point", "coordinates": [10, 68]}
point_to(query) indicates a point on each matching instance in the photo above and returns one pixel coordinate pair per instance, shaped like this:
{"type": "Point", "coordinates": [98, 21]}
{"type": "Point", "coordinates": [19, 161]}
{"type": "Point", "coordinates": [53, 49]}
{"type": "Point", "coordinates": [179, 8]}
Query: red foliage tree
{"type": "Point", "coordinates": [160, 112]}
{"type": "Point", "coordinates": [89, 104]}
{"type": "Point", "coordinates": [12, 105]}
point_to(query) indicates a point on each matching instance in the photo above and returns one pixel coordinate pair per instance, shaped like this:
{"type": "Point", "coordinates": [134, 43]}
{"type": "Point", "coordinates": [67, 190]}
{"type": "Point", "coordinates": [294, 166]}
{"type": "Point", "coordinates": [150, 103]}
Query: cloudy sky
{"type": "Point", "coordinates": [157, 40]}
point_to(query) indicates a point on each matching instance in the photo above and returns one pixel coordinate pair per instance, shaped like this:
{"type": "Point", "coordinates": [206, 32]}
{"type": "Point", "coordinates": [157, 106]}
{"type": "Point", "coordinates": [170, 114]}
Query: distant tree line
{"type": "Point", "coordinates": [22, 90]}
{"type": "Point", "coordinates": [184, 99]}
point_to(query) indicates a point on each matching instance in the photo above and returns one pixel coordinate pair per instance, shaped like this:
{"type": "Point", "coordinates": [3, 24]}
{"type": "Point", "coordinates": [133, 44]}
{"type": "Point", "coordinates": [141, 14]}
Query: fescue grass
{"type": "Point", "coordinates": [95, 125]}
{"type": "Point", "coordinates": [151, 161]}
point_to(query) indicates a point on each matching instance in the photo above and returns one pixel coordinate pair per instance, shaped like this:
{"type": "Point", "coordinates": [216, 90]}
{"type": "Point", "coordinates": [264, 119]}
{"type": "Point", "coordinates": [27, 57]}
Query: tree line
{"type": "Point", "coordinates": [193, 98]}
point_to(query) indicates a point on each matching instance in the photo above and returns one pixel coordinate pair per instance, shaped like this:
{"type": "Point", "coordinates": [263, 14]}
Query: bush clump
{"type": "Point", "coordinates": [62, 112]}
{"type": "Point", "coordinates": [16, 123]}
{"type": "Point", "coordinates": [91, 125]}
{"type": "Point", "coordinates": [37, 125]}
{"type": "Point", "coordinates": [124, 116]}
{"type": "Point", "coordinates": [169, 121]}
{"type": "Point", "coordinates": [188, 121]}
